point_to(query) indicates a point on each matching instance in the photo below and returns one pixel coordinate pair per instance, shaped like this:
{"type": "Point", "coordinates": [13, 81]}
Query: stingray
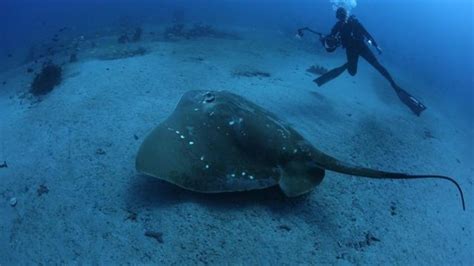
{"type": "Point", "coordinates": [217, 141]}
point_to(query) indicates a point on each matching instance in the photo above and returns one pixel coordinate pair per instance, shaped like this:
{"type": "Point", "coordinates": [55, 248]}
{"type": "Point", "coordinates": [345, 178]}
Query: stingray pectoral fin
{"type": "Point", "coordinates": [298, 178]}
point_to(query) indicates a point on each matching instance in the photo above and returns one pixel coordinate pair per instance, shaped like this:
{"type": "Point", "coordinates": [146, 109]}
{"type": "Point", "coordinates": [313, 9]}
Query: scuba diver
{"type": "Point", "coordinates": [350, 33]}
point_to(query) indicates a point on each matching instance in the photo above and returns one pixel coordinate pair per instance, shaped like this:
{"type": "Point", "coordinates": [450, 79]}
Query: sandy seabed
{"type": "Point", "coordinates": [71, 164]}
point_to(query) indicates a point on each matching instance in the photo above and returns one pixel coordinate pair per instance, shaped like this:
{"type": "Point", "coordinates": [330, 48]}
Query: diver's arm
{"type": "Point", "coordinates": [335, 29]}
{"type": "Point", "coordinates": [367, 34]}
{"type": "Point", "coordinates": [369, 37]}
{"type": "Point", "coordinates": [334, 32]}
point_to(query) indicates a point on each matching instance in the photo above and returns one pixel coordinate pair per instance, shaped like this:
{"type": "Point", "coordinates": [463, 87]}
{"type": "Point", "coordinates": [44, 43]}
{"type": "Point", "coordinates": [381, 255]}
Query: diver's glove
{"type": "Point", "coordinates": [378, 50]}
{"type": "Point", "coordinates": [372, 43]}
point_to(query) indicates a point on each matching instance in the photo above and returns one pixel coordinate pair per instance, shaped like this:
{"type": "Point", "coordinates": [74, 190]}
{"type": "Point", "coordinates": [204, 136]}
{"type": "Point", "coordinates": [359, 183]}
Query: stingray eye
{"type": "Point", "coordinates": [209, 97]}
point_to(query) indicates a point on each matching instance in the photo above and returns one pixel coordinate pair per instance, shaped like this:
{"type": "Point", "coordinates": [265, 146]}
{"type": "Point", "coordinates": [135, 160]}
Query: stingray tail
{"type": "Point", "coordinates": [327, 162]}
{"type": "Point", "coordinates": [405, 176]}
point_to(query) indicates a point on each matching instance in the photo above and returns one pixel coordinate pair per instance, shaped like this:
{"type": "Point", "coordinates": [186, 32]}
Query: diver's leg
{"type": "Point", "coordinates": [331, 74]}
{"type": "Point", "coordinates": [415, 105]}
{"type": "Point", "coordinates": [370, 57]}
{"type": "Point", "coordinates": [352, 54]}
{"type": "Point", "coordinates": [351, 66]}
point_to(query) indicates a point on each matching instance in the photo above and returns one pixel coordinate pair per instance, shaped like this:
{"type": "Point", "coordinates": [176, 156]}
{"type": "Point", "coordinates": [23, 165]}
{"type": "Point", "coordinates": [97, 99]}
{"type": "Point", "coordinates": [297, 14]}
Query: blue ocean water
{"type": "Point", "coordinates": [432, 38]}
{"type": "Point", "coordinates": [93, 213]}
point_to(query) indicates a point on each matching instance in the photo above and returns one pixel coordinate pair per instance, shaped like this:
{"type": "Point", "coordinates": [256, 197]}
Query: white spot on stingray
{"type": "Point", "coordinates": [191, 142]}
{"type": "Point", "coordinates": [177, 131]}
{"type": "Point", "coordinates": [284, 148]}
{"type": "Point", "coordinates": [196, 109]}
{"type": "Point", "coordinates": [295, 150]}
{"type": "Point", "coordinates": [241, 119]}
{"type": "Point", "coordinates": [207, 166]}
{"type": "Point", "coordinates": [251, 177]}
{"type": "Point", "coordinates": [181, 136]}
{"type": "Point", "coordinates": [233, 175]}
{"type": "Point", "coordinates": [243, 173]}
{"type": "Point", "coordinates": [231, 123]}
{"type": "Point", "coordinates": [202, 158]}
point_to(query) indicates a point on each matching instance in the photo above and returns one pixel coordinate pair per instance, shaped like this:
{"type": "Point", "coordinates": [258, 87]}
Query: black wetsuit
{"type": "Point", "coordinates": [352, 36]}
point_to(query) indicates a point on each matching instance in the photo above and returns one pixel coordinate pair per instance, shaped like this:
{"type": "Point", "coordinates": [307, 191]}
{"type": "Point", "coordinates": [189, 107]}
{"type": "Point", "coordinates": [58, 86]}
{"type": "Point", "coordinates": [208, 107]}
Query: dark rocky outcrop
{"type": "Point", "coordinates": [178, 31]}
{"type": "Point", "coordinates": [44, 82]}
{"type": "Point", "coordinates": [137, 35]}
{"type": "Point", "coordinates": [73, 58]}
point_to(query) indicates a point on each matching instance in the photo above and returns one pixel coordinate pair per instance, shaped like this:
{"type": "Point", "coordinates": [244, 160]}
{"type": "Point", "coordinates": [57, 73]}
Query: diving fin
{"type": "Point", "coordinates": [414, 104]}
{"type": "Point", "coordinates": [331, 74]}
